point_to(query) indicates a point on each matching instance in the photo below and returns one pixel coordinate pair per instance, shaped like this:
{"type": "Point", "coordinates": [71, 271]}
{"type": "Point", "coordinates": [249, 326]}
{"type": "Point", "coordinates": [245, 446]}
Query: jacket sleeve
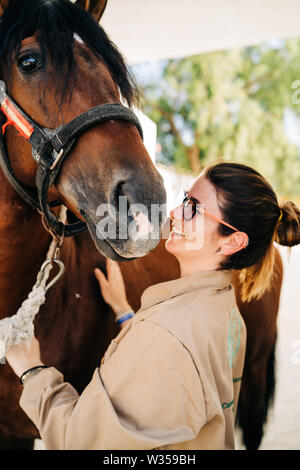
{"type": "Point", "coordinates": [146, 394]}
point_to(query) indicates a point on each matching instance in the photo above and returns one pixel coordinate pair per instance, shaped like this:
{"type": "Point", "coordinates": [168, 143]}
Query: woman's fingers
{"type": "Point", "coordinates": [99, 274]}
{"type": "Point", "coordinates": [112, 287]}
{"type": "Point", "coordinates": [113, 272]}
{"type": "Point", "coordinates": [100, 277]}
{"type": "Point", "coordinates": [104, 286]}
{"type": "Point", "coordinates": [111, 266]}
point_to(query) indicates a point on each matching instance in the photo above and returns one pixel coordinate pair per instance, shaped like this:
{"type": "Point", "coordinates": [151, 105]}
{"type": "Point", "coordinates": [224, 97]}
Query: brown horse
{"type": "Point", "coordinates": [107, 160]}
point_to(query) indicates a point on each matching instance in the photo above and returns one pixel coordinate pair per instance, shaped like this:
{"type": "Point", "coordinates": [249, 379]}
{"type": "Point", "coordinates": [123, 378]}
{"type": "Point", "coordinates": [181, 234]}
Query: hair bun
{"type": "Point", "coordinates": [288, 227]}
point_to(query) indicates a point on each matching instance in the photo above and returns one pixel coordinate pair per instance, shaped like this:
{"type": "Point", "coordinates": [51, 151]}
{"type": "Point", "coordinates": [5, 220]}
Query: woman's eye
{"type": "Point", "coordinates": [29, 63]}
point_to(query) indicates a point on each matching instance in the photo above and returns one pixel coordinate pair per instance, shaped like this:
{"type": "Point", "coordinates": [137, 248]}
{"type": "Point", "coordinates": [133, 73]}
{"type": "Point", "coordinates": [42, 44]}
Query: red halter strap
{"type": "Point", "coordinates": [15, 118]}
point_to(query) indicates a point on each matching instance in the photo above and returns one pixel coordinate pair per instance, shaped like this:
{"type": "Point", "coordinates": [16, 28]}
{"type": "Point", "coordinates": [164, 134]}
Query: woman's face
{"type": "Point", "coordinates": [199, 236]}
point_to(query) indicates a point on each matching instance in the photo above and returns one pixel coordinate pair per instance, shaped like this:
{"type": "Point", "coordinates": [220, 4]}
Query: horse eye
{"type": "Point", "coordinates": [29, 63]}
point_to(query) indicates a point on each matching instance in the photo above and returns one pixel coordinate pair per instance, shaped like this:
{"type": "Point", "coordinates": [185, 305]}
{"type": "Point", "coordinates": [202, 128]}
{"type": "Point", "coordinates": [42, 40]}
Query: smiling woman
{"type": "Point", "coordinates": [184, 350]}
{"type": "Point", "coordinates": [235, 195]}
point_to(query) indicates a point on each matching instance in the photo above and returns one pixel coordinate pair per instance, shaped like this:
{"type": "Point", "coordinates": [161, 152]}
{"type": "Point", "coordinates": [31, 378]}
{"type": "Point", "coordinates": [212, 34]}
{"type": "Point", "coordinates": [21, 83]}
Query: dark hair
{"type": "Point", "coordinates": [56, 21]}
{"type": "Point", "coordinates": [288, 229]}
{"type": "Point", "coordinates": [247, 201]}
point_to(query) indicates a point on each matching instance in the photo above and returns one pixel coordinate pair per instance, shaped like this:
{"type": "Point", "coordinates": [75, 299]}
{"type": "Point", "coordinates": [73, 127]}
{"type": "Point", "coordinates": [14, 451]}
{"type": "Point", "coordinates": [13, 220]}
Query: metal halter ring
{"type": "Point", "coordinates": [42, 272]}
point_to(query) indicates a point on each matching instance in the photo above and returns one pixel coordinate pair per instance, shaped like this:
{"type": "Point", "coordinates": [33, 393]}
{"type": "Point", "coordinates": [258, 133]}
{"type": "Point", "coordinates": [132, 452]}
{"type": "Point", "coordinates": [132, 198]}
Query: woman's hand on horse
{"type": "Point", "coordinates": [22, 357]}
{"type": "Point", "coordinates": [113, 287]}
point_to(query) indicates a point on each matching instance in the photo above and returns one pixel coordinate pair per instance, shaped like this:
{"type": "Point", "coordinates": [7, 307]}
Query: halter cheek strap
{"type": "Point", "coordinates": [49, 149]}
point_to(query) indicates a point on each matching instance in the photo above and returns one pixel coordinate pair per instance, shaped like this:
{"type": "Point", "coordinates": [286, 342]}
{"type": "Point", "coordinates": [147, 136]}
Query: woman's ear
{"type": "Point", "coordinates": [3, 6]}
{"type": "Point", "coordinates": [235, 242]}
{"type": "Point", "coordinates": [94, 7]}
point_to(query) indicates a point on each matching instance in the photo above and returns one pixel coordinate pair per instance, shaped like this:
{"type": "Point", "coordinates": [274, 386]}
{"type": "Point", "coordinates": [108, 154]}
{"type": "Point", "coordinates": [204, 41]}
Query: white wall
{"type": "Point", "coordinates": [146, 30]}
{"type": "Point", "coordinates": [175, 183]}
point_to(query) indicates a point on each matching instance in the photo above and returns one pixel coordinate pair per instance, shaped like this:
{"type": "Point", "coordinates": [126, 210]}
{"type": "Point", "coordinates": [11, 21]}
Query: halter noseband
{"type": "Point", "coordinates": [49, 149]}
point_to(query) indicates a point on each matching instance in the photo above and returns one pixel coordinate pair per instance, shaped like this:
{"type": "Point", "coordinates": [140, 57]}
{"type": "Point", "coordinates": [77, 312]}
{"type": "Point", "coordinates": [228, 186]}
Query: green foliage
{"type": "Point", "coordinates": [230, 106]}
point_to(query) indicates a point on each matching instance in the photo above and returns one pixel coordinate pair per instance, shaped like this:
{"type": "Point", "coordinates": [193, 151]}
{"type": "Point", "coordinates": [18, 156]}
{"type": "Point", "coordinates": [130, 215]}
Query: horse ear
{"type": "Point", "coordinates": [94, 7]}
{"type": "Point", "coordinates": [3, 6]}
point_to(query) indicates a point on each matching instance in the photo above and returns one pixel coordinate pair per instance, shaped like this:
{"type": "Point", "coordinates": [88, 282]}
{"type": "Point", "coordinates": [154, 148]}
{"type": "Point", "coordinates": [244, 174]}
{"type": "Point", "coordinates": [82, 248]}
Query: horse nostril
{"type": "Point", "coordinates": [119, 199]}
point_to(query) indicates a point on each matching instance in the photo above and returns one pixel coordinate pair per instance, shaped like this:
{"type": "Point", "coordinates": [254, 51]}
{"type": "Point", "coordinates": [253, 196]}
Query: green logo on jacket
{"type": "Point", "coordinates": [233, 339]}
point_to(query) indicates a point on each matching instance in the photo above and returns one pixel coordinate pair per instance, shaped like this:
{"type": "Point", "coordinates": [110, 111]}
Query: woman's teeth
{"type": "Point", "coordinates": [187, 236]}
{"type": "Point", "coordinates": [177, 231]}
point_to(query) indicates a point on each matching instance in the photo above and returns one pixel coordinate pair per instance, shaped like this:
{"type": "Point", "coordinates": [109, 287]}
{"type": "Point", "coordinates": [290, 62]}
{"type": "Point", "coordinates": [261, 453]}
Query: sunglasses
{"type": "Point", "coordinates": [190, 207]}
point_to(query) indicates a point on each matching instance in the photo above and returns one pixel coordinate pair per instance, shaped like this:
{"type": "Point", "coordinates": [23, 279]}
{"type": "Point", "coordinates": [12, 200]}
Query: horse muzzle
{"type": "Point", "coordinates": [127, 226]}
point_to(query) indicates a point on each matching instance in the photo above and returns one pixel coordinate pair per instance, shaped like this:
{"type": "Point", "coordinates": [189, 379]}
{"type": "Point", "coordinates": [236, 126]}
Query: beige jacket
{"type": "Point", "coordinates": [169, 380]}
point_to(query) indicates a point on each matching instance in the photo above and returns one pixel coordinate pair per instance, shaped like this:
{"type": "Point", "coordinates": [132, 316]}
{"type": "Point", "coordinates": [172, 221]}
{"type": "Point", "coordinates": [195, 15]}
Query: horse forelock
{"type": "Point", "coordinates": [57, 23]}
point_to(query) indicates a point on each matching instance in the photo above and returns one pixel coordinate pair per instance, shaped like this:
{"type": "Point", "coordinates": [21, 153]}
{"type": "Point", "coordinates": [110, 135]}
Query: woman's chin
{"type": "Point", "coordinates": [175, 244]}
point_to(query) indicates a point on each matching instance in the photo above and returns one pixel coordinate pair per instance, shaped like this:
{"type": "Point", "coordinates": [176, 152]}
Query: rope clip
{"type": "Point", "coordinates": [42, 273]}
{"type": "Point", "coordinates": [50, 262]}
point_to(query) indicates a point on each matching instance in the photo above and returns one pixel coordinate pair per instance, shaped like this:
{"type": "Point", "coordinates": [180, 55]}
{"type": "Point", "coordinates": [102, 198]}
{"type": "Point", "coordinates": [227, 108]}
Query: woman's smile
{"type": "Point", "coordinates": [177, 231]}
{"type": "Point", "coordinates": [179, 234]}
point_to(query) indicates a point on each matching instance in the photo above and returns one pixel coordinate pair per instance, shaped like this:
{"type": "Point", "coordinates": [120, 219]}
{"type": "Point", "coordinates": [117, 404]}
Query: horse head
{"type": "Point", "coordinates": [57, 64]}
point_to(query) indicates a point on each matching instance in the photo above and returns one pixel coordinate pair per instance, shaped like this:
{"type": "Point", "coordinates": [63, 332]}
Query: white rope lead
{"type": "Point", "coordinates": [19, 328]}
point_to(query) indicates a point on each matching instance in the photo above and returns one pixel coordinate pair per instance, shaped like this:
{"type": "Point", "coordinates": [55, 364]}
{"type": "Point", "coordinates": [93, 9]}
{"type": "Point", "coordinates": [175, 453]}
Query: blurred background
{"type": "Point", "coordinates": [236, 105]}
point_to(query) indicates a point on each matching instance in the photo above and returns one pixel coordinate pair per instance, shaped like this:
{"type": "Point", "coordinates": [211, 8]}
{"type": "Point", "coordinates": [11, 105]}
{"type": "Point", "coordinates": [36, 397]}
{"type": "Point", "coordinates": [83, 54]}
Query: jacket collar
{"type": "Point", "coordinates": [213, 281]}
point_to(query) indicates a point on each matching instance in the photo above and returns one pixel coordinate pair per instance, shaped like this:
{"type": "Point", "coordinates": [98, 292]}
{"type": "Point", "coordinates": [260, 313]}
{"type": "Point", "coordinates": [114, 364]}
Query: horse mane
{"type": "Point", "coordinates": [56, 22]}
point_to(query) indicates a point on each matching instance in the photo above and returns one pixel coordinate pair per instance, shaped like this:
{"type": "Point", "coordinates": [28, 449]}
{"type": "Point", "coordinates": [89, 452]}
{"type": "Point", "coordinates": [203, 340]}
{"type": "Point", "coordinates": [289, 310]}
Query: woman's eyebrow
{"type": "Point", "coordinates": [191, 197]}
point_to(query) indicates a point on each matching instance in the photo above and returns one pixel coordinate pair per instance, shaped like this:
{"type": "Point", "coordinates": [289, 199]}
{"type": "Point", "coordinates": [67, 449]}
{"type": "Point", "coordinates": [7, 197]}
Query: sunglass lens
{"type": "Point", "coordinates": [188, 209]}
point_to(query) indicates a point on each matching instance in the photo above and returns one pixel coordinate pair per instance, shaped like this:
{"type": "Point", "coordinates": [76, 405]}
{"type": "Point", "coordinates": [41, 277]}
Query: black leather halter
{"type": "Point", "coordinates": [49, 149]}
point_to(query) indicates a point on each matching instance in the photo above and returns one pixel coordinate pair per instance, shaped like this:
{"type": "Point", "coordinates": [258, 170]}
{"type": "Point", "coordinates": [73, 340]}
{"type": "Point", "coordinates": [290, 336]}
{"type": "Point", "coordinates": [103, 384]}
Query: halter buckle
{"type": "Point", "coordinates": [58, 157]}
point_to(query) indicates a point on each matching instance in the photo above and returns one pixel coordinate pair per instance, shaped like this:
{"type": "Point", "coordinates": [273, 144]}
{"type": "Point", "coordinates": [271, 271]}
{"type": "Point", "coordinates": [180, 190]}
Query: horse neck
{"type": "Point", "coordinates": [23, 247]}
